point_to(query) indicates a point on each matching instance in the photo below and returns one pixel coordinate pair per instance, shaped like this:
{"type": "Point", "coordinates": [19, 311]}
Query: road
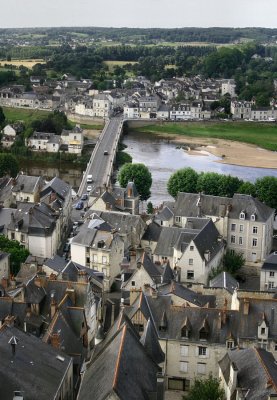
{"type": "Point", "coordinates": [101, 162]}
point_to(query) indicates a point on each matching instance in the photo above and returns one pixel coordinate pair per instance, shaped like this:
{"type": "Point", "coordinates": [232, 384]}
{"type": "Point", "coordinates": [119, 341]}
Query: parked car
{"type": "Point", "coordinates": [84, 196]}
{"type": "Point", "coordinates": [89, 188]}
{"type": "Point", "coordinates": [106, 152]}
{"type": "Point", "coordinates": [79, 205]}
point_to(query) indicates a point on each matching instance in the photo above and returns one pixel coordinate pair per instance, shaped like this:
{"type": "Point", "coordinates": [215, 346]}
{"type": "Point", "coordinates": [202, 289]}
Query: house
{"type": "Point", "coordinates": [74, 140]}
{"type": "Point", "coordinates": [180, 112]}
{"type": "Point", "coordinates": [243, 221]}
{"type": "Point", "coordinates": [131, 110]}
{"type": "Point", "coordinates": [38, 141]}
{"type": "Point", "coordinates": [36, 227]}
{"type": "Point", "coordinates": [248, 373]}
{"type": "Point", "coordinates": [268, 277]}
{"type": "Point", "coordinates": [25, 359]}
{"type": "Point", "coordinates": [124, 367]}
{"type": "Point", "coordinates": [57, 194]}
{"type": "Point", "coordinates": [148, 106]}
{"type": "Point", "coordinates": [9, 133]}
{"type": "Point", "coordinates": [26, 188]}
{"type": "Point", "coordinates": [228, 86]}
{"type": "Point", "coordinates": [193, 250]}
{"type": "Point", "coordinates": [99, 247]}
{"type": "Point", "coordinates": [4, 270]}
{"type": "Point", "coordinates": [163, 112]}
{"type": "Point", "coordinates": [101, 106]}
{"type": "Point", "coordinates": [241, 109]}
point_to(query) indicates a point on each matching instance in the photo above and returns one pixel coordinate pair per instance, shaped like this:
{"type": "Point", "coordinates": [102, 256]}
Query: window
{"type": "Point", "coordinates": [190, 274]}
{"type": "Point", "coordinates": [271, 273]}
{"type": "Point", "coordinates": [255, 230]}
{"type": "Point", "coordinates": [191, 261]}
{"type": "Point", "coordinates": [104, 260]}
{"type": "Point", "coordinates": [104, 270]}
{"type": "Point", "coordinates": [240, 241]}
{"type": "Point", "coordinates": [177, 219]}
{"type": "Point", "coordinates": [233, 239]}
{"type": "Point", "coordinates": [270, 285]}
{"type": "Point", "coordinates": [133, 283]}
{"type": "Point", "coordinates": [139, 327]}
{"type": "Point", "coordinates": [230, 344]}
{"type": "Point", "coordinates": [87, 260]}
{"type": "Point", "coordinates": [22, 238]}
{"type": "Point", "coordinates": [183, 366]}
{"type": "Point", "coordinates": [262, 331]}
{"type": "Point", "coordinates": [233, 227]}
{"type": "Point", "coordinates": [242, 215]}
{"type": "Point", "coordinates": [254, 242]}
{"type": "Point", "coordinates": [12, 236]}
{"type": "Point", "coordinates": [241, 228]}
{"type": "Point", "coordinates": [191, 248]}
{"type": "Point", "coordinates": [201, 368]}
{"type": "Point", "coordinates": [178, 384]}
{"type": "Point", "coordinates": [275, 348]}
{"type": "Point", "coordinates": [202, 351]}
{"type": "Point", "coordinates": [184, 351]}
{"type": "Point", "coordinates": [185, 333]}
{"type": "Point", "coordinates": [95, 258]}
{"type": "Point", "coordinates": [203, 335]}
{"type": "Point", "coordinates": [253, 217]}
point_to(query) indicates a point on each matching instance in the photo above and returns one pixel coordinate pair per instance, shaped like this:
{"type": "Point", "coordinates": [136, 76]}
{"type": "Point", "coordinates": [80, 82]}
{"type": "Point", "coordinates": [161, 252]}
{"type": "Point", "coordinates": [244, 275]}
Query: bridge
{"type": "Point", "coordinates": [101, 163]}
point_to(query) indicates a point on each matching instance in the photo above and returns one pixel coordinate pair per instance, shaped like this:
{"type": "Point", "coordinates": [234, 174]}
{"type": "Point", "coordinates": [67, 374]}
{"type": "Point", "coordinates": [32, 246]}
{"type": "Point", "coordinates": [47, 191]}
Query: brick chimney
{"type": "Point", "coordinates": [55, 340]}
{"type": "Point", "coordinates": [82, 276]}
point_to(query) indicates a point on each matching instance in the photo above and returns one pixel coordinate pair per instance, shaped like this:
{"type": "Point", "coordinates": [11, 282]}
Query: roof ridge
{"type": "Point", "coordinates": [265, 368]}
{"type": "Point", "coordinates": [119, 356]}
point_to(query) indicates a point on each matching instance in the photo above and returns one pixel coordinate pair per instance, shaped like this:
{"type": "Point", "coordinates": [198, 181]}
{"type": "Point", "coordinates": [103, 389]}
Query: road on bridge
{"type": "Point", "coordinates": [101, 162]}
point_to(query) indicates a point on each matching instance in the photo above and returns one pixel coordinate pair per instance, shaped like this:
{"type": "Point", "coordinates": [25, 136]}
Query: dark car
{"type": "Point", "coordinates": [106, 152]}
{"type": "Point", "coordinates": [84, 196]}
{"type": "Point", "coordinates": [79, 205]}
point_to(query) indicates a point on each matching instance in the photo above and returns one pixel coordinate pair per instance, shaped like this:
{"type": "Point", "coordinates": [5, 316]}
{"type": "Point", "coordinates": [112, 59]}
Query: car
{"type": "Point", "coordinates": [79, 205]}
{"type": "Point", "coordinates": [84, 196]}
{"type": "Point", "coordinates": [106, 152]}
{"type": "Point", "coordinates": [89, 179]}
{"type": "Point", "coordinates": [89, 188]}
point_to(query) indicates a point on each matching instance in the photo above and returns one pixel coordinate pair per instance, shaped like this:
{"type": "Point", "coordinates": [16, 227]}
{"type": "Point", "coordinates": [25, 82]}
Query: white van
{"type": "Point", "coordinates": [89, 179]}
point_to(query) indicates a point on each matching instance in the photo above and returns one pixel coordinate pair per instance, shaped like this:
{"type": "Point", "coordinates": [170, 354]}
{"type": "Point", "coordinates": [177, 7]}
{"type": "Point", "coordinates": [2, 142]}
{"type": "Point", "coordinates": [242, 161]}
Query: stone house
{"type": "Point", "coordinates": [268, 277]}
{"type": "Point", "coordinates": [26, 188]}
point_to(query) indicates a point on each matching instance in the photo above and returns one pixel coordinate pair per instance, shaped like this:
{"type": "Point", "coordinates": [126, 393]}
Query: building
{"type": "Point", "coordinates": [101, 106]}
{"type": "Point", "coordinates": [26, 188]}
{"type": "Point", "coordinates": [228, 86]}
{"type": "Point", "coordinates": [268, 277]}
{"type": "Point", "coordinates": [241, 109]}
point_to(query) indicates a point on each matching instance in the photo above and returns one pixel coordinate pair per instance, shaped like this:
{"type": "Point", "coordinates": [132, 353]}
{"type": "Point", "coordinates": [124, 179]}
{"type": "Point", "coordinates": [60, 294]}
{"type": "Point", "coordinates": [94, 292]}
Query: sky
{"type": "Point", "coordinates": [139, 13]}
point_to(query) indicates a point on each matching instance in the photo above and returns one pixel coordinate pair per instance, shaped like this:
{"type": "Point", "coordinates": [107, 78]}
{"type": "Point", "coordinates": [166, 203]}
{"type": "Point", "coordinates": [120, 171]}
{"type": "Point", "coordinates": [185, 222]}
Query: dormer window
{"type": "Point", "coordinates": [203, 334]}
{"type": "Point", "coordinates": [242, 215]}
{"type": "Point", "coordinates": [253, 217]}
{"type": "Point", "coordinates": [185, 333]}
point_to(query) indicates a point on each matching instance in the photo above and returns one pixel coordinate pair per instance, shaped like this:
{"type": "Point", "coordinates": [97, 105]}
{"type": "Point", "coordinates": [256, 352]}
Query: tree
{"type": "Point", "coordinates": [150, 208]}
{"type": "Point", "coordinates": [16, 250]}
{"type": "Point", "coordinates": [184, 180]}
{"type": "Point", "coordinates": [206, 389]}
{"type": "Point", "coordinates": [232, 261]}
{"type": "Point", "coordinates": [141, 176]}
{"type": "Point", "coordinates": [247, 188]}
{"type": "Point", "coordinates": [208, 183]}
{"type": "Point", "coordinates": [266, 189]}
{"type": "Point", "coordinates": [2, 116]}
{"type": "Point", "coordinates": [8, 165]}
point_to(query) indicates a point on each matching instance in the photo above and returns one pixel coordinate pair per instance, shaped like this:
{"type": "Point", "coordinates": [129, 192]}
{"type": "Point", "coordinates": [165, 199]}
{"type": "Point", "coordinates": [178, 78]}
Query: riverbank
{"type": "Point", "coordinates": [230, 152]}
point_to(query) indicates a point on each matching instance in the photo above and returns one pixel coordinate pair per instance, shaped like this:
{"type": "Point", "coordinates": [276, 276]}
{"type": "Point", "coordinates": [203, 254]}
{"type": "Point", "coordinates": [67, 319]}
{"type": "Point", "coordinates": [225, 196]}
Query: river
{"type": "Point", "coordinates": [163, 159]}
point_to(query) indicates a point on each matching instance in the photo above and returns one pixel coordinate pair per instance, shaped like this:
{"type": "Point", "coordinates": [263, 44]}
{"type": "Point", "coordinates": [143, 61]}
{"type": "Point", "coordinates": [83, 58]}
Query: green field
{"type": "Point", "coordinates": [260, 134]}
{"type": "Point", "coordinates": [22, 114]}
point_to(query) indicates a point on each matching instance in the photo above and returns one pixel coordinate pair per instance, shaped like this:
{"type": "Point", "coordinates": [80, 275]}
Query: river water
{"type": "Point", "coordinates": [163, 159]}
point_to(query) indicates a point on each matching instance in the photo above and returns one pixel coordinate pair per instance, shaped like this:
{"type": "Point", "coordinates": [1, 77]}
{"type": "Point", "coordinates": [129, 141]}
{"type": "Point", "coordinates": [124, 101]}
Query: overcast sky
{"type": "Point", "coordinates": [138, 13]}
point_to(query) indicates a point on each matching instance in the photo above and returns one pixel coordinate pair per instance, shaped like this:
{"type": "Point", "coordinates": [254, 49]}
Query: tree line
{"type": "Point", "coordinates": [212, 183]}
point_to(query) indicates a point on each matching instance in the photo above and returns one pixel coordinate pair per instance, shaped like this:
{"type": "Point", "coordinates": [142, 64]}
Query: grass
{"type": "Point", "coordinates": [112, 64]}
{"type": "Point", "coordinates": [91, 126]}
{"type": "Point", "coordinates": [260, 134]}
{"type": "Point", "coordinates": [22, 114]}
{"type": "Point", "coordinates": [26, 63]}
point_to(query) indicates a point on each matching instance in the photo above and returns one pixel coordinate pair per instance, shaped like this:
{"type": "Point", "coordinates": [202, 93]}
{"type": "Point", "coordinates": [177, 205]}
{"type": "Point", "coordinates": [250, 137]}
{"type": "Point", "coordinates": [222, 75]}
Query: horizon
{"type": "Point", "coordinates": [136, 27]}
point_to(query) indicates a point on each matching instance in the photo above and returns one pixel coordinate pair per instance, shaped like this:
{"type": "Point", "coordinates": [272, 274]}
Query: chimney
{"type": "Point", "coordinates": [160, 386]}
{"type": "Point", "coordinates": [9, 321]}
{"type": "Point", "coordinates": [82, 276]}
{"type": "Point", "coordinates": [245, 306]}
{"type": "Point", "coordinates": [154, 293]}
{"type": "Point", "coordinates": [55, 340]}
{"type": "Point", "coordinates": [4, 282]}
{"type": "Point", "coordinates": [53, 306]}
{"type": "Point", "coordinates": [207, 255]}
{"type": "Point", "coordinates": [37, 281]}
{"type": "Point", "coordinates": [71, 294]}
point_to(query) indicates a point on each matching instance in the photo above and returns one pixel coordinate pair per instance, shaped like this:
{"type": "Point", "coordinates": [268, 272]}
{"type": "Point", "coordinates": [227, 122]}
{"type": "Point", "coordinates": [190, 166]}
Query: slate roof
{"type": "Point", "coordinates": [36, 219]}
{"type": "Point", "coordinates": [250, 205]}
{"type": "Point", "coordinates": [35, 369]}
{"type": "Point", "coordinates": [187, 294]}
{"type": "Point", "coordinates": [271, 262]}
{"type": "Point", "coordinates": [33, 294]}
{"type": "Point", "coordinates": [152, 232]}
{"type": "Point", "coordinates": [58, 186]}
{"type": "Point", "coordinates": [150, 341]}
{"type": "Point", "coordinates": [122, 368]}
{"type": "Point", "coordinates": [165, 214]}
{"type": "Point", "coordinates": [5, 307]}
{"type": "Point", "coordinates": [257, 372]}
{"type": "Point", "coordinates": [56, 263]}
{"type": "Point", "coordinates": [224, 280]}
{"type": "Point", "coordinates": [27, 184]}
